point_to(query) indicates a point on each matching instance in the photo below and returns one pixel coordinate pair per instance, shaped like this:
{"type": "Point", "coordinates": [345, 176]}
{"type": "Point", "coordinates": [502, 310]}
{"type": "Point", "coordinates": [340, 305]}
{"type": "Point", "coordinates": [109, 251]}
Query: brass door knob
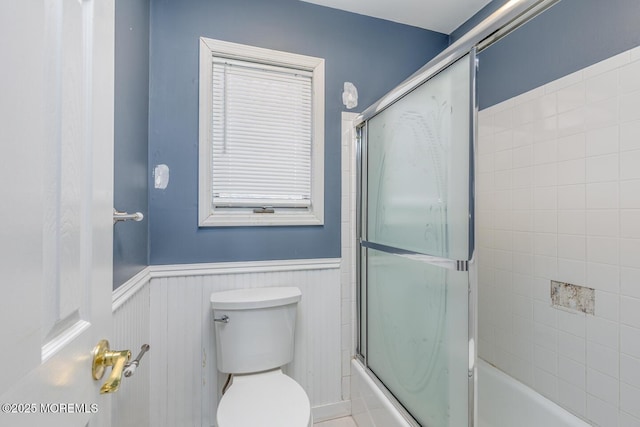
{"type": "Point", "coordinates": [103, 356]}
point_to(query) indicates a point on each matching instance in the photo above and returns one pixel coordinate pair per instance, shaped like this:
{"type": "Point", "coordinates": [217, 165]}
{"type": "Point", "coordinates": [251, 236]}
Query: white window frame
{"type": "Point", "coordinates": [210, 216]}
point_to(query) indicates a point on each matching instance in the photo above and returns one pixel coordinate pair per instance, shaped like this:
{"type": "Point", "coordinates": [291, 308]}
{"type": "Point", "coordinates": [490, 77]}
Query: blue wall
{"type": "Point", "coordinates": [571, 35]}
{"type": "Point", "coordinates": [373, 54]}
{"type": "Point", "coordinates": [130, 239]}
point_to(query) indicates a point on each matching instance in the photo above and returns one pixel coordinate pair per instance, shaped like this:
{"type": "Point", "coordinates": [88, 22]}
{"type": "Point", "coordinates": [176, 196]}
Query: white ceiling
{"type": "Point", "coordinates": [443, 16]}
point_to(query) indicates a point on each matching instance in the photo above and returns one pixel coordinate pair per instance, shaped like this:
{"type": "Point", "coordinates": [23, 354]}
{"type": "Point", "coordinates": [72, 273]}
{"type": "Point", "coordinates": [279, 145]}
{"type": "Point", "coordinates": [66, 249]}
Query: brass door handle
{"type": "Point", "coordinates": [103, 356]}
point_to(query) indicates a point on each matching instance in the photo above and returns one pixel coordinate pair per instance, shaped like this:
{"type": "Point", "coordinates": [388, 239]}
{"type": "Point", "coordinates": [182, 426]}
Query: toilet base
{"type": "Point", "coordinates": [265, 399]}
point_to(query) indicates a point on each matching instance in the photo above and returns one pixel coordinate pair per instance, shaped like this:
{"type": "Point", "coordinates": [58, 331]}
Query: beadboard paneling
{"type": "Point", "coordinates": [130, 405]}
{"type": "Point", "coordinates": [185, 383]}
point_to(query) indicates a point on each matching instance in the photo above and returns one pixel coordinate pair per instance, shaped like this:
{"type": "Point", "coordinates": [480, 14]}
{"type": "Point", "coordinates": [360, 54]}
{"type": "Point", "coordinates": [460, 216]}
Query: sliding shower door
{"type": "Point", "coordinates": [415, 244]}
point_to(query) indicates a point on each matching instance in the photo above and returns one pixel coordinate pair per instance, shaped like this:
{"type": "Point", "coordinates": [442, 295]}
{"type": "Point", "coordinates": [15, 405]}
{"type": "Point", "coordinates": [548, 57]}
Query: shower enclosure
{"type": "Point", "coordinates": [416, 241]}
{"type": "Point", "coordinates": [417, 289]}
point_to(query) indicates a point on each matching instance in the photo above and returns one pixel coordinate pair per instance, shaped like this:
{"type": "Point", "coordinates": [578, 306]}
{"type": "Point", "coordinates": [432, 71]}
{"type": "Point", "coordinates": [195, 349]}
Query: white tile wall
{"type": "Point", "coordinates": [348, 263]}
{"type": "Point", "coordinates": [558, 197]}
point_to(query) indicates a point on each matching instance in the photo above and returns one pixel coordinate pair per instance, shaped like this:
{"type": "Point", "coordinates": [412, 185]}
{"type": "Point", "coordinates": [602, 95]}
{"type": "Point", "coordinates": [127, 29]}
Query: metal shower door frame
{"type": "Point", "coordinates": [503, 21]}
{"type": "Point", "coordinates": [364, 244]}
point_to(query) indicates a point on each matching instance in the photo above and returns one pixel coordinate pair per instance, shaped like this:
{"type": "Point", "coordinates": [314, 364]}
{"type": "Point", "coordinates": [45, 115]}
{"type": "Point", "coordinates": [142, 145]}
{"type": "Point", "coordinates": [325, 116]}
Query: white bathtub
{"type": "Point", "coordinates": [505, 402]}
{"type": "Point", "coordinates": [502, 402]}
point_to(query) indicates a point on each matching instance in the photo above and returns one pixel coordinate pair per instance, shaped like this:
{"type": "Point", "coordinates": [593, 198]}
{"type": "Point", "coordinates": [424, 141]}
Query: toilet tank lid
{"type": "Point", "coordinates": [242, 299]}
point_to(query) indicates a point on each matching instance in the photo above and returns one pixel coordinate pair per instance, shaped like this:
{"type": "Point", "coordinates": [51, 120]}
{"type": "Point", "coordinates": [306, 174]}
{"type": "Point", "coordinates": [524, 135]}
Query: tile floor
{"type": "Point", "coordinates": [338, 422]}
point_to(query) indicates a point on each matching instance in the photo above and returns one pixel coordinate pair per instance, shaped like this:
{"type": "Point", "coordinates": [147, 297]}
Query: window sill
{"type": "Point", "coordinates": [246, 219]}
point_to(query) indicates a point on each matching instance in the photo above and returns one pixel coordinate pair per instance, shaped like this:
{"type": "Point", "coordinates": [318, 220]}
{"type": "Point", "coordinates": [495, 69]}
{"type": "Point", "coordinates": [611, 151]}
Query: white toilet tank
{"type": "Point", "coordinates": [254, 328]}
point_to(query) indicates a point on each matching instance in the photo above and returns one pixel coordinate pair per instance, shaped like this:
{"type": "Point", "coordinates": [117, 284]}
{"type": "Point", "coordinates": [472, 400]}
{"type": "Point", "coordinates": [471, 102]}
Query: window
{"type": "Point", "coordinates": [261, 136]}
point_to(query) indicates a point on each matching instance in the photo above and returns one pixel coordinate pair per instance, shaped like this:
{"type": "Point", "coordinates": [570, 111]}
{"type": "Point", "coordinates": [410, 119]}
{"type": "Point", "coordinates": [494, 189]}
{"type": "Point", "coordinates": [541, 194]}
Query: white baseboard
{"type": "Point", "coordinates": [331, 411]}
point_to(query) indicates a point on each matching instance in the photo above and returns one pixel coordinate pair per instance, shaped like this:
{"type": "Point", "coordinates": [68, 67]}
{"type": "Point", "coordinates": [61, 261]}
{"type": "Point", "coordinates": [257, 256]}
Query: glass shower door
{"type": "Point", "coordinates": [415, 247]}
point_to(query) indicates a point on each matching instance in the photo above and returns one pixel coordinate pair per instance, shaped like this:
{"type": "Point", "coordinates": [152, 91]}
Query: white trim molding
{"type": "Point", "coordinates": [133, 285]}
{"type": "Point", "coordinates": [184, 270]}
{"type": "Point", "coordinates": [331, 411]}
{"type": "Point", "coordinates": [128, 289]}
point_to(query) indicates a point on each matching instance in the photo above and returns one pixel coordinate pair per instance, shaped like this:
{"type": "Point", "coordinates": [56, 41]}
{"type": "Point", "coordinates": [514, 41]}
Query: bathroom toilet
{"type": "Point", "coordinates": [254, 332]}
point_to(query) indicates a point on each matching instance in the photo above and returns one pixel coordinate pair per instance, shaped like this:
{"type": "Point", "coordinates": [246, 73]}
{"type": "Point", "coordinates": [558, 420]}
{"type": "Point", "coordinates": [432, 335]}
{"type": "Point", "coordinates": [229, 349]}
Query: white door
{"type": "Point", "coordinates": [56, 196]}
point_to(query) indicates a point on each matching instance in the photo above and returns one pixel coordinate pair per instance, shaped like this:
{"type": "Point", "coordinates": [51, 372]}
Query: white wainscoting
{"type": "Point", "coordinates": [131, 329]}
{"type": "Point", "coordinates": [185, 384]}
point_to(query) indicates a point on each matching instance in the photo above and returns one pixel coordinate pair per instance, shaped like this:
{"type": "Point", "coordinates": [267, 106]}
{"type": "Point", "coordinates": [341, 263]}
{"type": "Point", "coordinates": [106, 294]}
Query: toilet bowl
{"type": "Point", "coordinates": [254, 330]}
{"type": "Point", "coordinates": [265, 399]}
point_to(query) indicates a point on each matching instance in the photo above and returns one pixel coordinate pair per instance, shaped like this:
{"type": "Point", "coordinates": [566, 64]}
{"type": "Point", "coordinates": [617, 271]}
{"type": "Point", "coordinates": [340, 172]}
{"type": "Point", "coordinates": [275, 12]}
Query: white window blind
{"type": "Point", "coordinates": [261, 135]}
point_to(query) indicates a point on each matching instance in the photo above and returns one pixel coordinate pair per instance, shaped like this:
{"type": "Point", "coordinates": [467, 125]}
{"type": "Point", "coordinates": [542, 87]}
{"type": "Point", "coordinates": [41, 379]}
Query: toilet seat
{"type": "Point", "coordinates": [265, 399]}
